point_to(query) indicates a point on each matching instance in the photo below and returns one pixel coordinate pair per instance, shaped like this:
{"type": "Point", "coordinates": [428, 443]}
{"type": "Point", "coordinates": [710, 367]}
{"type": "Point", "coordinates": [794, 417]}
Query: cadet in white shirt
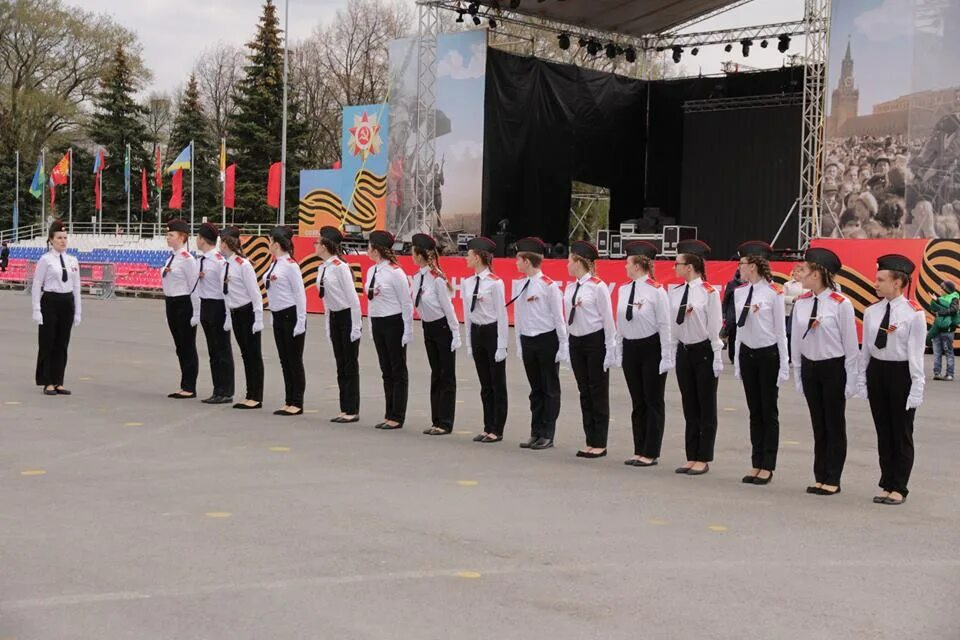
{"type": "Point", "coordinates": [288, 311]}
{"type": "Point", "coordinates": [213, 314]}
{"type": "Point", "coordinates": [487, 332]}
{"type": "Point", "coordinates": [695, 337]}
{"type": "Point", "coordinates": [341, 305]}
{"type": "Point", "coordinates": [391, 322]}
{"type": "Point", "coordinates": [761, 361]}
{"type": "Point", "coordinates": [643, 350]}
{"type": "Point", "coordinates": [441, 332]}
{"type": "Point", "coordinates": [179, 277]}
{"type": "Point", "coordinates": [593, 345]}
{"type": "Point", "coordinates": [891, 372]}
{"type": "Point", "coordinates": [56, 309]}
{"type": "Point", "coordinates": [245, 317]}
{"type": "Point", "coordinates": [825, 368]}
{"type": "Point", "coordinates": [541, 341]}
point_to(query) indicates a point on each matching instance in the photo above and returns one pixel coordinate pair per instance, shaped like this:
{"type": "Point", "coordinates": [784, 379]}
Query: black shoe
{"type": "Point", "coordinates": [694, 472]}
{"type": "Point", "coordinates": [759, 480]}
{"type": "Point", "coordinates": [436, 431]}
{"type": "Point", "coordinates": [182, 396]}
{"type": "Point", "coordinates": [823, 492]}
{"type": "Point", "coordinates": [813, 489]}
{"type": "Point", "coordinates": [592, 456]}
{"type": "Point", "coordinates": [380, 425]}
{"type": "Point", "coordinates": [529, 443]}
{"type": "Point", "coordinates": [542, 443]}
{"type": "Point", "coordinates": [581, 454]}
{"type": "Point", "coordinates": [891, 501]}
{"type": "Point", "coordinates": [641, 463]}
{"type": "Point", "coordinates": [240, 405]}
{"type": "Point", "coordinates": [347, 420]}
{"type": "Point", "coordinates": [218, 400]}
{"type": "Point", "coordinates": [491, 438]}
{"type": "Point", "coordinates": [479, 437]}
{"type": "Point", "coordinates": [49, 392]}
{"type": "Point", "coordinates": [748, 479]}
{"type": "Point", "coordinates": [391, 427]}
{"type": "Point", "coordinates": [62, 392]}
{"type": "Point", "coordinates": [682, 470]}
{"type": "Point", "coordinates": [879, 499]}
{"type": "Point", "coordinates": [281, 412]}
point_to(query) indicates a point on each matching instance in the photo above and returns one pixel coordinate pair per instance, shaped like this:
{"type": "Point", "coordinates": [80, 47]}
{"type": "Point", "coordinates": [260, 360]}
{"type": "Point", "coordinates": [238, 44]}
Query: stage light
{"type": "Point", "coordinates": [582, 42]}
{"type": "Point", "coordinates": [493, 23]}
{"type": "Point", "coordinates": [695, 51]}
{"type": "Point", "coordinates": [459, 16]}
{"type": "Point", "coordinates": [611, 51]}
{"type": "Point", "coordinates": [514, 4]}
{"type": "Point", "coordinates": [783, 44]}
{"type": "Point", "coordinates": [661, 49]}
{"type": "Point", "coordinates": [728, 48]}
{"type": "Point", "coordinates": [677, 52]}
{"type": "Point", "coordinates": [630, 54]}
{"type": "Point", "coordinates": [564, 41]}
{"type": "Point", "coordinates": [474, 8]}
{"type": "Point", "coordinates": [476, 20]}
{"type": "Point", "coordinates": [745, 45]}
{"type": "Point", "coordinates": [593, 47]}
{"type": "Point", "coordinates": [763, 44]}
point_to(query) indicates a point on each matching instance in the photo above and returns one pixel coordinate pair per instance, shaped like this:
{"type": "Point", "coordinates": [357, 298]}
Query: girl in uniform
{"type": "Point", "coordinates": [391, 321]}
{"type": "Point", "coordinates": [695, 336]}
{"type": "Point", "coordinates": [891, 373]}
{"type": "Point", "coordinates": [341, 305]}
{"type": "Point", "coordinates": [592, 336]}
{"type": "Point", "coordinates": [179, 278]}
{"type": "Point", "coordinates": [441, 332]}
{"type": "Point", "coordinates": [643, 340]}
{"type": "Point", "coordinates": [761, 360]}
{"type": "Point", "coordinates": [56, 309]}
{"type": "Point", "coordinates": [825, 353]}
{"type": "Point", "coordinates": [245, 314]}
{"type": "Point", "coordinates": [288, 309]}
{"type": "Point", "coordinates": [487, 332]}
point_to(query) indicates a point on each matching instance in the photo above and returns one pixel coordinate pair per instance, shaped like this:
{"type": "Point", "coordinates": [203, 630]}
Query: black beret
{"type": "Point", "coordinates": [230, 231]}
{"type": "Point", "coordinates": [584, 249]}
{"type": "Point", "coordinates": [482, 244]}
{"type": "Point", "coordinates": [895, 262]}
{"type": "Point", "coordinates": [332, 234]}
{"type": "Point", "coordinates": [641, 248]}
{"type": "Point", "coordinates": [208, 231]}
{"type": "Point", "coordinates": [381, 239]}
{"type": "Point", "coordinates": [825, 258]}
{"type": "Point", "coordinates": [56, 226]}
{"type": "Point", "coordinates": [423, 241]}
{"type": "Point", "coordinates": [755, 248]}
{"type": "Point", "coordinates": [178, 224]}
{"type": "Point", "coordinates": [532, 245]}
{"type": "Point", "coordinates": [693, 248]}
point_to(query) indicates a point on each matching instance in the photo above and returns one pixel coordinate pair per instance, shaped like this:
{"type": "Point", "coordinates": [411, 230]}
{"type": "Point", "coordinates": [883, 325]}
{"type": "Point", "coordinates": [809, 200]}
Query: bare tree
{"type": "Point", "coordinates": [159, 116]}
{"type": "Point", "coordinates": [218, 70]}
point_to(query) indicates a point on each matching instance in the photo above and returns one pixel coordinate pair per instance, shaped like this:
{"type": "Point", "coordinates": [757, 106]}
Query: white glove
{"type": "Point", "coordinates": [194, 321]}
{"type": "Point", "coordinates": [717, 364]}
{"type": "Point", "coordinates": [455, 342]}
{"type": "Point", "coordinates": [736, 371]}
{"type": "Point", "coordinates": [798, 382]}
{"type": "Point", "coordinates": [299, 328]}
{"type": "Point", "coordinates": [405, 340]}
{"type": "Point", "coordinates": [76, 321]}
{"type": "Point", "coordinates": [355, 334]}
{"type": "Point", "coordinates": [38, 317]}
{"type": "Point", "coordinates": [228, 322]}
{"type": "Point", "coordinates": [666, 365]}
{"type": "Point", "coordinates": [500, 355]}
{"type": "Point", "coordinates": [850, 391]}
{"type": "Point", "coordinates": [913, 401]}
{"type": "Point", "coordinates": [258, 325]}
{"type": "Point", "coordinates": [610, 360]}
{"type": "Point", "coordinates": [563, 354]}
{"type": "Point", "coordinates": [782, 376]}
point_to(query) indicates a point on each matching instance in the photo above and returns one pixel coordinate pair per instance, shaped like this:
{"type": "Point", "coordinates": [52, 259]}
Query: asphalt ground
{"type": "Point", "coordinates": [125, 515]}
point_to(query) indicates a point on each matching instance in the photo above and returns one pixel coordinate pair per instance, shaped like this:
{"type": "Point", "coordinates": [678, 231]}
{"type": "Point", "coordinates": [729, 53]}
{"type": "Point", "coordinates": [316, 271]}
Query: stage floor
{"type": "Point", "coordinates": [125, 515]}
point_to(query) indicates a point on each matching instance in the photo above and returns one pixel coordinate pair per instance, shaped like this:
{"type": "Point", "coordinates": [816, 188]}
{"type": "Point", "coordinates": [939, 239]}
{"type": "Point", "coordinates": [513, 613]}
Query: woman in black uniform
{"type": "Point", "coordinates": [245, 314]}
{"type": "Point", "coordinates": [179, 277]}
{"type": "Point", "coordinates": [288, 309]}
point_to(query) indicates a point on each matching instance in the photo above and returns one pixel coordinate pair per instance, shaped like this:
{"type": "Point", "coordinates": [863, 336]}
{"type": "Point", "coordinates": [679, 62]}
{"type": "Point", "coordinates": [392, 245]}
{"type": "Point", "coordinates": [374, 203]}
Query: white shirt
{"type": "Point", "coordinates": [538, 307]}
{"type": "Point", "coordinates": [594, 309]}
{"type": "Point", "coordinates": [286, 289]}
{"type": "Point", "coordinates": [906, 341]}
{"type": "Point", "coordinates": [339, 292]}
{"type": "Point", "coordinates": [242, 286]}
{"type": "Point", "coordinates": [182, 274]}
{"type": "Point", "coordinates": [391, 295]}
{"type": "Point", "coordinates": [703, 315]}
{"type": "Point", "coordinates": [766, 321]}
{"type": "Point", "coordinates": [491, 305]}
{"type": "Point", "coordinates": [791, 291]}
{"type": "Point", "coordinates": [834, 334]}
{"type": "Point", "coordinates": [210, 282]}
{"type": "Point", "coordinates": [49, 277]}
{"type": "Point", "coordinates": [651, 311]}
{"type": "Point", "coordinates": [435, 302]}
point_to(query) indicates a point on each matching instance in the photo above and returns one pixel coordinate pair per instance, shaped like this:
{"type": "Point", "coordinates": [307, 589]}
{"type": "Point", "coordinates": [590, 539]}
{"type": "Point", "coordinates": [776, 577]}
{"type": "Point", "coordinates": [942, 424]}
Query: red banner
{"type": "Point", "coordinates": [144, 203]}
{"type": "Point", "coordinates": [230, 186]}
{"type": "Point", "coordinates": [176, 196]}
{"type": "Point", "coordinates": [273, 185]}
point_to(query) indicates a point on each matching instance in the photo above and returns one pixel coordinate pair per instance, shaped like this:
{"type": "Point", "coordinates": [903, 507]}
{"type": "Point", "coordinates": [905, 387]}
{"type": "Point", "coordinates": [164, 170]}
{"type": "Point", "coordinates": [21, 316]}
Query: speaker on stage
{"type": "Point", "coordinates": [503, 241]}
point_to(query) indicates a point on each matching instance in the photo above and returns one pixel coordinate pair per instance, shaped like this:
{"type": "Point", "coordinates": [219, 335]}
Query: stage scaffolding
{"type": "Point", "coordinates": [814, 27]}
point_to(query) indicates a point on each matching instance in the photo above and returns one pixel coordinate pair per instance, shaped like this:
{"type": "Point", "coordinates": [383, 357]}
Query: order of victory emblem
{"type": "Point", "coordinates": [365, 138]}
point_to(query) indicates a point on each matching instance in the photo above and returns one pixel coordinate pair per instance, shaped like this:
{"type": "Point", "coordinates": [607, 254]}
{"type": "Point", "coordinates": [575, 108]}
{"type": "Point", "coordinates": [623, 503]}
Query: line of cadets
{"type": "Point", "coordinates": [655, 330]}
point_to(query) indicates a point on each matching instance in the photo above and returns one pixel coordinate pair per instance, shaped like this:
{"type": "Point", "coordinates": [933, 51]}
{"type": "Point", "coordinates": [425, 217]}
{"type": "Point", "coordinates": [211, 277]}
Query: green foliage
{"type": "Point", "coordinates": [191, 123]}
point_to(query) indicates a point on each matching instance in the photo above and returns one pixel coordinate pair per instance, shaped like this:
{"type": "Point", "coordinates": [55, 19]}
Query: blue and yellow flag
{"type": "Point", "coordinates": [183, 161]}
{"type": "Point", "coordinates": [39, 180]}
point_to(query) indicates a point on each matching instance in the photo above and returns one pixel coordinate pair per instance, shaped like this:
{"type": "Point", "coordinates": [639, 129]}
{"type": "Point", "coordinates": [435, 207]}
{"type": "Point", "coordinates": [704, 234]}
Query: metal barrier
{"type": "Point", "coordinates": [99, 278]}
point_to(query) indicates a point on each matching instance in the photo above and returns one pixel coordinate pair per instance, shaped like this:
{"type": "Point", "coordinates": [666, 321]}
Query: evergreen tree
{"type": "Point", "coordinates": [118, 121]}
{"type": "Point", "coordinates": [255, 133]}
{"type": "Point", "coordinates": [192, 124]}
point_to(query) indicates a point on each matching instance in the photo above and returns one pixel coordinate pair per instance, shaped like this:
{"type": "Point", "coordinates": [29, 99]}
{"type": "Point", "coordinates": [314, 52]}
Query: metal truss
{"type": "Point", "coordinates": [727, 36]}
{"type": "Point", "coordinates": [817, 19]}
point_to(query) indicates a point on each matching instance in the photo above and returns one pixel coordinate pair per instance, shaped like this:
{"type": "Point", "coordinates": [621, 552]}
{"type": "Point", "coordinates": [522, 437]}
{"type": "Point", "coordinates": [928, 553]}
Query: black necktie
{"type": "Point", "coordinates": [473, 299]}
{"type": "Point", "coordinates": [573, 303]}
{"type": "Point", "coordinates": [269, 273]}
{"type": "Point", "coordinates": [166, 269]}
{"type": "Point", "coordinates": [63, 274]}
{"type": "Point", "coordinates": [742, 320]}
{"type": "Point", "coordinates": [881, 340]}
{"type": "Point", "coordinates": [682, 311]}
{"type": "Point", "coordinates": [416, 303]}
{"type": "Point", "coordinates": [522, 289]}
{"type": "Point", "coordinates": [813, 317]}
{"type": "Point", "coordinates": [199, 276]}
{"type": "Point", "coordinates": [226, 275]}
{"type": "Point", "coordinates": [321, 289]}
{"type": "Point", "coordinates": [633, 291]}
{"type": "Point", "coordinates": [373, 283]}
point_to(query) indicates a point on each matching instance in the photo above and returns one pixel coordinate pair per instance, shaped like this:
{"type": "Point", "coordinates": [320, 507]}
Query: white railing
{"type": "Point", "coordinates": [120, 230]}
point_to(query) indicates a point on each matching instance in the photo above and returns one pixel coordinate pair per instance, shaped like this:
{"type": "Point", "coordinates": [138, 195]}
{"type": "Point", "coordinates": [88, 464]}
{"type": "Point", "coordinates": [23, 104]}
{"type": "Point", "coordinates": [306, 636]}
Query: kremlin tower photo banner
{"type": "Point", "coordinates": [891, 166]}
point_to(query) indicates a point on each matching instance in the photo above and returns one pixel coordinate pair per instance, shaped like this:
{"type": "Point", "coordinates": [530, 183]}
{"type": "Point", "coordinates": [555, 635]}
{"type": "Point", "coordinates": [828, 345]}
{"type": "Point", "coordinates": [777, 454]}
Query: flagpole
{"type": "Point", "coordinates": [192, 171]}
{"type": "Point", "coordinates": [43, 186]}
{"type": "Point", "coordinates": [70, 192]}
{"type": "Point", "coordinates": [16, 201]}
{"type": "Point", "coordinates": [99, 228]}
{"type": "Point", "coordinates": [126, 180]}
{"type": "Point", "coordinates": [223, 176]}
{"type": "Point", "coordinates": [283, 135]}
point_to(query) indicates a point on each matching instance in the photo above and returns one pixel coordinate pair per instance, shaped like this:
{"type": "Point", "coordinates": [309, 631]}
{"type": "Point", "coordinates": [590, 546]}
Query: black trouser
{"type": "Point", "coordinates": [587, 354]}
{"type": "Point", "coordinates": [492, 375]}
{"type": "Point", "coordinates": [179, 314]}
{"type": "Point", "coordinates": [731, 342]}
{"type": "Point", "coordinates": [54, 337]}
{"type": "Point", "coordinates": [641, 369]}
{"type": "Point", "coordinates": [543, 374]}
{"type": "Point", "coordinates": [698, 394]}
{"type": "Point", "coordinates": [759, 369]}
{"type": "Point", "coordinates": [347, 356]}
{"type": "Point", "coordinates": [213, 314]}
{"type": "Point", "coordinates": [290, 350]}
{"type": "Point", "coordinates": [388, 339]}
{"type": "Point", "coordinates": [824, 384]}
{"type": "Point", "coordinates": [437, 338]}
{"type": "Point", "coordinates": [250, 349]}
{"type": "Point", "coordinates": [888, 385]}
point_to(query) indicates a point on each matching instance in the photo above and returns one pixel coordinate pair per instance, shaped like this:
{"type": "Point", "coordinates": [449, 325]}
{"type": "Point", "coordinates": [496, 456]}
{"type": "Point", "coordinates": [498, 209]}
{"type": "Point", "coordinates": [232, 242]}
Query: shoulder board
{"type": "Point", "coordinates": [219, 255]}
{"type": "Point", "coordinates": [836, 297]}
{"type": "Point", "coordinates": [336, 262]}
{"type": "Point", "coordinates": [291, 260]}
{"type": "Point", "coordinates": [547, 281]}
{"type": "Point", "coordinates": [596, 280]}
{"type": "Point", "coordinates": [493, 276]}
{"type": "Point", "coordinates": [803, 296]}
{"type": "Point", "coordinates": [914, 305]}
{"type": "Point", "coordinates": [434, 273]}
{"type": "Point", "coordinates": [653, 283]}
{"type": "Point", "coordinates": [776, 287]}
{"type": "Point", "coordinates": [185, 254]}
{"type": "Point", "coordinates": [745, 284]}
{"type": "Point", "coordinates": [708, 287]}
{"type": "Point", "coordinates": [239, 260]}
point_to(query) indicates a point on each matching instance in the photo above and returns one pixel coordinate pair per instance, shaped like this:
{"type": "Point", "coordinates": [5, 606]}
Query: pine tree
{"type": "Point", "coordinates": [118, 121]}
{"type": "Point", "coordinates": [192, 124]}
{"type": "Point", "coordinates": [255, 132]}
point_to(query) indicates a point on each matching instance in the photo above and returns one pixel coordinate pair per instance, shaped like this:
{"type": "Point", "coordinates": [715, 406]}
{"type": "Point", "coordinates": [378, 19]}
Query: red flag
{"type": "Point", "coordinates": [336, 165]}
{"type": "Point", "coordinates": [97, 201]}
{"type": "Point", "coordinates": [53, 192]}
{"type": "Point", "coordinates": [229, 187]}
{"type": "Point", "coordinates": [158, 165]}
{"type": "Point", "coordinates": [60, 174]}
{"type": "Point", "coordinates": [176, 185]}
{"type": "Point", "coordinates": [273, 185]}
{"type": "Point", "coordinates": [144, 200]}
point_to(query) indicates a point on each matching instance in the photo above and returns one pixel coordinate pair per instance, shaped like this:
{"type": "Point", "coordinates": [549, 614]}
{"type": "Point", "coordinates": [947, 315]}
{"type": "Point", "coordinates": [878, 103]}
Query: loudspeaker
{"type": "Point", "coordinates": [603, 241]}
{"type": "Point", "coordinates": [616, 245]}
{"type": "Point", "coordinates": [503, 242]}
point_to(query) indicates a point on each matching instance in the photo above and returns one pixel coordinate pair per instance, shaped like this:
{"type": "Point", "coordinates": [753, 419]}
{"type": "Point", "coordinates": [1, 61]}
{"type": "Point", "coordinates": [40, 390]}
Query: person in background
{"type": "Point", "coordinates": [287, 298]}
{"type": "Point", "coordinates": [730, 315]}
{"type": "Point", "coordinates": [851, 226]}
{"type": "Point", "coordinates": [179, 277]}
{"type": "Point", "coordinates": [4, 257]}
{"type": "Point", "coordinates": [245, 314]}
{"type": "Point", "coordinates": [792, 290]}
{"type": "Point", "coordinates": [946, 310]}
